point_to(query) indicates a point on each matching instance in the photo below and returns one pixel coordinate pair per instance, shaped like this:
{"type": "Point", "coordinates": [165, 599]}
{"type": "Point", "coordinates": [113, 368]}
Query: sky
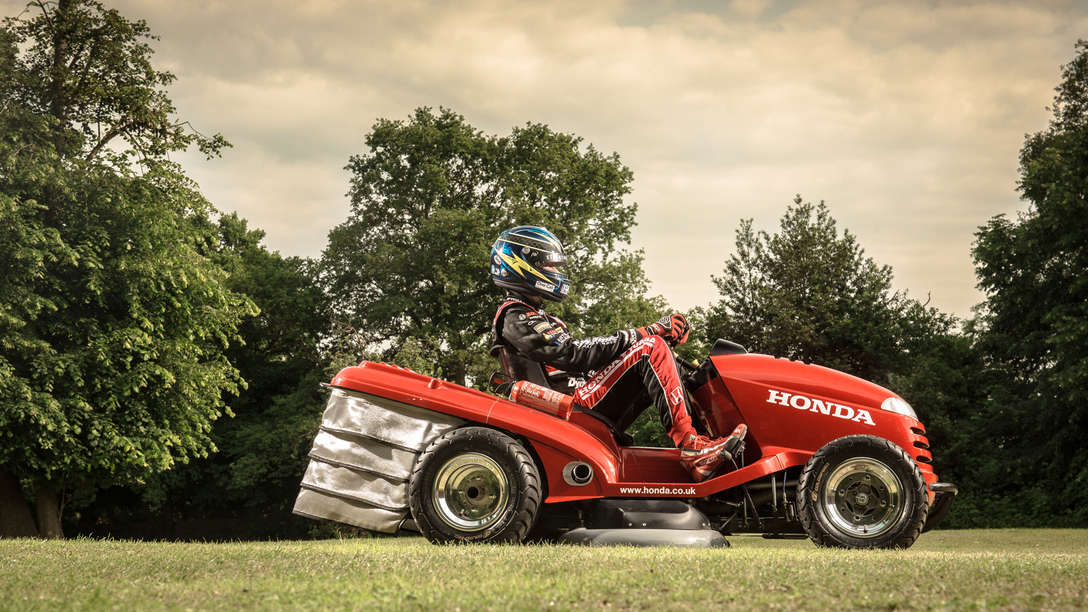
{"type": "Point", "coordinates": [906, 118]}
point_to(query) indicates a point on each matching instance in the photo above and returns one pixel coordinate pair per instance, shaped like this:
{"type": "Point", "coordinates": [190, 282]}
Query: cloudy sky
{"type": "Point", "coordinates": [905, 117]}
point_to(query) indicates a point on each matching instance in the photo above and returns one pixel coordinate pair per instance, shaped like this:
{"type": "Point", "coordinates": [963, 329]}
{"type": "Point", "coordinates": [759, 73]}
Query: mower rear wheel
{"type": "Point", "coordinates": [474, 484]}
{"type": "Point", "coordinates": [862, 492]}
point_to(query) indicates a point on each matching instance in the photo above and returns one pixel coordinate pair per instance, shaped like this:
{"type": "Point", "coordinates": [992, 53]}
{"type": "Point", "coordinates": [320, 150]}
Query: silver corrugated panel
{"type": "Point", "coordinates": [359, 486]}
{"type": "Point", "coordinates": [362, 458]}
{"type": "Point", "coordinates": [395, 423]}
{"type": "Point", "coordinates": [339, 448]}
{"type": "Point", "coordinates": [318, 505]}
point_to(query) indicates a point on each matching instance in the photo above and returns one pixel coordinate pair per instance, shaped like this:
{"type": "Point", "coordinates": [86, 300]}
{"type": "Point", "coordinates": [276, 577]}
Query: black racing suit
{"type": "Point", "coordinates": [616, 375]}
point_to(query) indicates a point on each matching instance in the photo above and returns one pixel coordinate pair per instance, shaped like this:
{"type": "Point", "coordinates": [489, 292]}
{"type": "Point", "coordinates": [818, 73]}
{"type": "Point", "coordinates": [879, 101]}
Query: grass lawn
{"type": "Point", "coordinates": [946, 569]}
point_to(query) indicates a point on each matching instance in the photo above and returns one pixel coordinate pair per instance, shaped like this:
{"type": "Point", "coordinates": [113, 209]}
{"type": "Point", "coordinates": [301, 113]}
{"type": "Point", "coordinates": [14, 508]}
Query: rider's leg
{"type": "Point", "coordinates": [624, 401]}
{"type": "Point", "coordinates": [651, 362]}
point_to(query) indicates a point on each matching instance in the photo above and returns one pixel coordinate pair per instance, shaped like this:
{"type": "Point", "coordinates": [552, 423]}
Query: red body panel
{"type": "Point", "coordinates": [795, 405]}
{"type": "Point", "coordinates": [779, 436]}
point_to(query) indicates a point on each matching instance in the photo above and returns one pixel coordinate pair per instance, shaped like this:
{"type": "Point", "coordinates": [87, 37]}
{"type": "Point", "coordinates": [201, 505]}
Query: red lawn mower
{"type": "Point", "coordinates": [843, 460]}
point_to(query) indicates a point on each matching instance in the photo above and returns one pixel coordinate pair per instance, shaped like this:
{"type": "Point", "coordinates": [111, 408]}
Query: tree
{"type": "Point", "coordinates": [113, 317]}
{"type": "Point", "coordinates": [429, 197]}
{"type": "Point", "coordinates": [276, 417]}
{"type": "Point", "coordinates": [87, 71]}
{"type": "Point", "coordinates": [247, 488]}
{"type": "Point", "coordinates": [1033, 325]}
{"type": "Point", "coordinates": [263, 449]}
{"type": "Point", "coordinates": [811, 294]}
{"type": "Point", "coordinates": [946, 381]}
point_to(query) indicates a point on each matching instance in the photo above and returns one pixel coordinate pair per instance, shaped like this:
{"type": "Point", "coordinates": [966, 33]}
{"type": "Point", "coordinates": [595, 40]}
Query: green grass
{"type": "Point", "coordinates": [1012, 569]}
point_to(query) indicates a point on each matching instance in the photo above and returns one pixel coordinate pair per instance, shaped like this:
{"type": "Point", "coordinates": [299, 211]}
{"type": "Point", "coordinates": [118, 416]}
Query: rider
{"type": "Point", "coordinates": [613, 375]}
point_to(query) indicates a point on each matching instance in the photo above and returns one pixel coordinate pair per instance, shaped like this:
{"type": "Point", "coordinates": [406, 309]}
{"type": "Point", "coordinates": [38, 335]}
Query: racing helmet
{"type": "Point", "coordinates": [524, 259]}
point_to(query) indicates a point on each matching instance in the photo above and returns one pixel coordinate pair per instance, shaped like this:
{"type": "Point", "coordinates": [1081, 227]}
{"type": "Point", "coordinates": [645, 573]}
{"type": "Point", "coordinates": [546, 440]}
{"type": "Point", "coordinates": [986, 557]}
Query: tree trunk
{"type": "Point", "coordinates": [58, 72]}
{"type": "Point", "coordinates": [15, 519]}
{"type": "Point", "coordinates": [48, 506]}
{"type": "Point", "coordinates": [457, 372]}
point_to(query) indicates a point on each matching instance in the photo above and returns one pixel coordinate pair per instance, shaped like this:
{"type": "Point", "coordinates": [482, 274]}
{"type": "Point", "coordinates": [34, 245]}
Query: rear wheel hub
{"type": "Point", "coordinates": [470, 492]}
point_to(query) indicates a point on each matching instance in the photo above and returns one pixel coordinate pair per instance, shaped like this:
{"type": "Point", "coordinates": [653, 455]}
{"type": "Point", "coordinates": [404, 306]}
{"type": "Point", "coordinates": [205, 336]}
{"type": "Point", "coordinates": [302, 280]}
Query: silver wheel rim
{"type": "Point", "coordinates": [470, 492]}
{"type": "Point", "coordinates": [863, 498]}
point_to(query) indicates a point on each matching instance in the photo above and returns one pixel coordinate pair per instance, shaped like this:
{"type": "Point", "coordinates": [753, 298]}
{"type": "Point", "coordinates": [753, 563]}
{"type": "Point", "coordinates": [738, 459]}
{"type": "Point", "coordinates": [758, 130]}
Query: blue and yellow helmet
{"type": "Point", "coordinates": [524, 259]}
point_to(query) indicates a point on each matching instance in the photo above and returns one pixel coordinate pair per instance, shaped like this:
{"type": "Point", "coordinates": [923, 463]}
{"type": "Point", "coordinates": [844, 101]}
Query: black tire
{"type": "Point", "coordinates": [862, 492]}
{"type": "Point", "coordinates": [474, 484]}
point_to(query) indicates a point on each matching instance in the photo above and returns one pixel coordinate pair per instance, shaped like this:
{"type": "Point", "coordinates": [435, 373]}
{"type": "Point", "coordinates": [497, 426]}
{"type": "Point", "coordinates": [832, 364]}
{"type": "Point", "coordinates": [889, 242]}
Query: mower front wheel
{"type": "Point", "coordinates": [862, 492]}
{"type": "Point", "coordinates": [474, 484]}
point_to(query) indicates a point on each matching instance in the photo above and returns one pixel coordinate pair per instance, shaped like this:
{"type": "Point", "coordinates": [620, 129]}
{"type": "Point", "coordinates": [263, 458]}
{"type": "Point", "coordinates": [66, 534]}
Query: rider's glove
{"type": "Point", "coordinates": [673, 328]}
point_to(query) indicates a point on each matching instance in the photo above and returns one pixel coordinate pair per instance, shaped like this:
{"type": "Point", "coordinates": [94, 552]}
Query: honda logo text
{"type": "Point", "coordinates": [802, 402]}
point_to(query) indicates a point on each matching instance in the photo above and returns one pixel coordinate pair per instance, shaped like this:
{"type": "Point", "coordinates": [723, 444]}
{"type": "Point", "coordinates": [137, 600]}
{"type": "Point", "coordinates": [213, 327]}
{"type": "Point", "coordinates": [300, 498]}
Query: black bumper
{"type": "Point", "coordinates": [943, 492]}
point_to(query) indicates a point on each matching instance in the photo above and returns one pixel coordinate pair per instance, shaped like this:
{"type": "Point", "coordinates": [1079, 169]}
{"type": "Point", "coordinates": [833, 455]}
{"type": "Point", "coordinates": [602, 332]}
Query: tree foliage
{"type": "Point", "coordinates": [428, 198]}
{"type": "Point", "coordinates": [87, 71]}
{"type": "Point", "coordinates": [248, 487]}
{"type": "Point", "coordinates": [113, 317]}
{"type": "Point", "coordinates": [263, 448]}
{"type": "Point", "coordinates": [1033, 325]}
{"type": "Point", "coordinates": [810, 293]}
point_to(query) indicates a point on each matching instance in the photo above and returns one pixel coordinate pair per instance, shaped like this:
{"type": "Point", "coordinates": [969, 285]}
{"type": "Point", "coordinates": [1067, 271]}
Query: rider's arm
{"type": "Point", "coordinates": [541, 338]}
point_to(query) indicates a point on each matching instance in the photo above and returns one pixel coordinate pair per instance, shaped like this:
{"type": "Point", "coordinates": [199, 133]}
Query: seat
{"type": "Point", "coordinates": [727, 347]}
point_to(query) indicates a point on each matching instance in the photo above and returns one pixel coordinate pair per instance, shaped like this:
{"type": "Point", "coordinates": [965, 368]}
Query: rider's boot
{"type": "Point", "coordinates": [703, 456]}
